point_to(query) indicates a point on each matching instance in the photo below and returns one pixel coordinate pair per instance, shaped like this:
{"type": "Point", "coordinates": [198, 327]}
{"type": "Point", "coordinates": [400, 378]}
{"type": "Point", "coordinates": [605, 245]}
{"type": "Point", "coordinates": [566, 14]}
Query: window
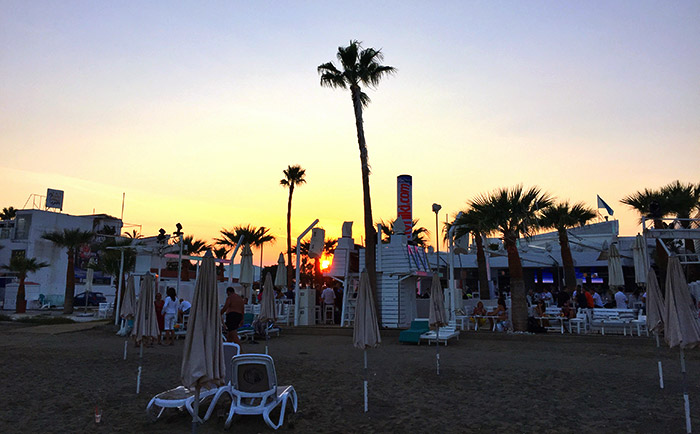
{"type": "Point", "coordinates": [23, 223]}
{"type": "Point", "coordinates": [19, 254]}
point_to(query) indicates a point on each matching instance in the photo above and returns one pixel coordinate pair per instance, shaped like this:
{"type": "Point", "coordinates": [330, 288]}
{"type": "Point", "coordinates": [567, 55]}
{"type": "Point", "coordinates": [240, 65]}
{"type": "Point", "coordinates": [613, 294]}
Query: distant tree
{"type": "Point", "coordinates": [562, 216]}
{"type": "Point", "coordinates": [312, 272]}
{"type": "Point", "coordinates": [22, 266]}
{"type": "Point", "coordinates": [293, 176]}
{"type": "Point", "coordinates": [360, 67]}
{"type": "Point", "coordinates": [682, 200]}
{"type": "Point", "coordinates": [251, 235]}
{"type": "Point", "coordinates": [133, 234]}
{"type": "Point", "coordinates": [70, 239]}
{"type": "Point", "coordinates": [8, 213]}
{"type": "Point", "coordinates": [419, 234]}
{"type": "Point", "coordinates": [653, 205]}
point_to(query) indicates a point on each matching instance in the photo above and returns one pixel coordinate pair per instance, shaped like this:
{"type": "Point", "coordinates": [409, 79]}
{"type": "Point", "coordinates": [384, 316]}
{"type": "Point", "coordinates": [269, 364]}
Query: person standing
{"type": "Point", "coordinates": [233, 310]}
{"type": "Point", "coordinates": [170, 309]}
{"type": "Point", "coordinates": [159, 303]}
{"type": "Point", "coordinates": [620, 299]}
{"type": "Point", "coordinates": [597, 300]}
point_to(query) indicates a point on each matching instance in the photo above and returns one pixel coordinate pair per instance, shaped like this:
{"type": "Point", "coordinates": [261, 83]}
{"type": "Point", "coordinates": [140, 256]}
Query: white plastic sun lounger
{"type": "Point", "coordinates": [446, 333]}
{"type": "Point", "coordinates": [181, 397]}
{"type": "Point", "coordinates": [255, 391]}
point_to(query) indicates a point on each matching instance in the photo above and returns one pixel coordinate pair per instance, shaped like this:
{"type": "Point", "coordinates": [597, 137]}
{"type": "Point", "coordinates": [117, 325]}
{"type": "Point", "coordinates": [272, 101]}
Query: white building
{"type": "Point", "coordinates": [22, 236]}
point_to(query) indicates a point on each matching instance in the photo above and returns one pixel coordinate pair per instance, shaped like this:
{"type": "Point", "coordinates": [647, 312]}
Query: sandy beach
{"type": "Point", "coordinates": [488, 383]}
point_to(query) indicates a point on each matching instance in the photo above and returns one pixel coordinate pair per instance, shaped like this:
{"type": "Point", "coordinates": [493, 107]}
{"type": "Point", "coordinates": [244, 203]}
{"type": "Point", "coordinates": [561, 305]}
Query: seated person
{"type": "Point", "coordinates": [567, 311]}
{"type": "Point", "coordinates": [541, 311]}
{"type": "Point", "coordinates": [185, 307]}
{"type": "Point", "coordinates": [479, 311]}
{"type": "Point", "coordinates": [501, 315]}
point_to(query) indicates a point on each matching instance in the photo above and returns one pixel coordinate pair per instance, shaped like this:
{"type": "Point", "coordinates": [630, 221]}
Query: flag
{"type": "Point", "coordinates": [602, 204]}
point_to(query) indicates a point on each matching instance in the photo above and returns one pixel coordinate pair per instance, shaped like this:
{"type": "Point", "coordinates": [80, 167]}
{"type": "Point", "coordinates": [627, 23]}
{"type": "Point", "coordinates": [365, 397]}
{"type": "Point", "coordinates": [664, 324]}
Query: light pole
{"type": "Point", "coordinates": [178, 233]}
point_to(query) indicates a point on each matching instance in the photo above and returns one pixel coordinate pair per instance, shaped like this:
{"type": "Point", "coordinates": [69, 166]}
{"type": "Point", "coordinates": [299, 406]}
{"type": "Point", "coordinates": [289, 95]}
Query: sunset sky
{"type": "Point", "coordinates": [193, 109]}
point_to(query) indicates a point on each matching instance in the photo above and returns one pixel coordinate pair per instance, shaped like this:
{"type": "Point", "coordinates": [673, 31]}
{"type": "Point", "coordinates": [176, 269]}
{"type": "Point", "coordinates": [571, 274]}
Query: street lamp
{"type": "Point", "coordinates": [436, 210]}
{"type": "Point", "coordinates": [178, 233]}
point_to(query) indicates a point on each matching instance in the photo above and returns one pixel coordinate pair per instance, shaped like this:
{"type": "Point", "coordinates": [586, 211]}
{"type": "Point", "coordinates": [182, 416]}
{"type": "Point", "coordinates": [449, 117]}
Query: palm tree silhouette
{"type": "Point", "coordinates": [512, 212]}
{"type": "Point", "coordinates": [71, 239]}
{"type": "Point", "coordinates": [360, 66]}
{"type": "Point", "coordinates": [23, 266]}
{"type": "Point", "coordinates": [562, 216]}
{"type": "Point", "coordinates": [471, 221]}
{"type": "Point", "coordinates": [418, 233]}
{"type": "Point", "coordinates": [293, 176]}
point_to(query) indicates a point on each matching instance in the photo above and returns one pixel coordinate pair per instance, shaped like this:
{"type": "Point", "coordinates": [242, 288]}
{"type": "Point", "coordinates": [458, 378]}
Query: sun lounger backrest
{"type": "Point", "coordinates": [253, 373]}
{"type": "Point", "coordinates": [230, 351]}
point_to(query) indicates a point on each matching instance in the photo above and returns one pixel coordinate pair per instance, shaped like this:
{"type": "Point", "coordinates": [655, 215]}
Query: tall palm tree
{"type": "Point", "coordinates": [70, 239]}
{"type": "Point", "coordinates": [562, 216]}
{"type": "Point", "coordinates": [471, 221]}
{"type": "Point", "coordinates": [513, 212]}
{"type": "Point", "coordinates": [419, 234]}
{"type": "Point", "coordinates": [22, 266]}
{"type": "Point", "coordinates": [360, 66]}
{"type": "Point", "coordinates": [8, 213]}
{"type": "Point", "coordinates": [654, 205]}
{"type": "Point", "coordinates": [220, 253]}
{"type": "Point", "coordinates": [293, 176]}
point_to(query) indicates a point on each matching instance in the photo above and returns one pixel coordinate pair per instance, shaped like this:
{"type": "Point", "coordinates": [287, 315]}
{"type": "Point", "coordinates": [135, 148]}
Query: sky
{"type": "Point", "coordinates": [193, 109]}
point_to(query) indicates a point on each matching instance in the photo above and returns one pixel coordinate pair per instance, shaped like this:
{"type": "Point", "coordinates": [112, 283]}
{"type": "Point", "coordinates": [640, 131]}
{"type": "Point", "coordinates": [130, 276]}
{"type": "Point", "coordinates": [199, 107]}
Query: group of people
{"type": "Point", "coordinates": [169, 311]}
{"type": "Point", "coordinates": [587, 298]}
{"type": "Point", "coordinates": [498, 315]}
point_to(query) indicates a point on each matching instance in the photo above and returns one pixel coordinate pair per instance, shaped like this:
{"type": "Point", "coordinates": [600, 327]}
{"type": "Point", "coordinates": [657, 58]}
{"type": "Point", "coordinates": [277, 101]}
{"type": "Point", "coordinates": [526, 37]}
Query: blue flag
{"type": "Point", "coordinates": [602, 204]}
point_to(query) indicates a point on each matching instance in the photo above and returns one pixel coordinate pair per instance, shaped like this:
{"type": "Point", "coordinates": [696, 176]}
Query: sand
{"type": "Point", "coordinates": [489, 383]}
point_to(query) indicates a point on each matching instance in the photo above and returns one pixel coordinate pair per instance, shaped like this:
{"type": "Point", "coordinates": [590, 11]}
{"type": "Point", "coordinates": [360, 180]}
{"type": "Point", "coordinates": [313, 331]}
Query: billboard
{"type": "Point", "coordinates": [54, 199]}
{"type": "Point", "coordinates": [404, 203]}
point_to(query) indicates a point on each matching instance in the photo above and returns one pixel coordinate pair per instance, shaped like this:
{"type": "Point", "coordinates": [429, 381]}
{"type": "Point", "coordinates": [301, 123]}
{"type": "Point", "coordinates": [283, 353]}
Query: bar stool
{"type": "Point", "coordinates": [328, 313]}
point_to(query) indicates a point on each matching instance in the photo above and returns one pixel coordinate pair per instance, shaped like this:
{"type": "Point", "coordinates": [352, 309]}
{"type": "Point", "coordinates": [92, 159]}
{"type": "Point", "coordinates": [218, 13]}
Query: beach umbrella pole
{"type": "Point", "coordinates": [658, 355]}
{"type": "Point", "coordinates": [686, 400]}
{"type": "Point", "coordinates": [437, 351]}
{"type": "Point", "coordinates": [266, 337]}
{"type": "Point", "coordinates": [138, 376]}
{"type": "Point", "coordinates": [365, 382]}
{"type": "Point", "coordinates": [126, 343]}
{"type": "Point", "coordinates": [195, 416]}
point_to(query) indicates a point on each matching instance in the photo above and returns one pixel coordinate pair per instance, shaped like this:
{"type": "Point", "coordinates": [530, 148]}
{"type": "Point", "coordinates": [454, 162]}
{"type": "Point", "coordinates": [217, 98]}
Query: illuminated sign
{"type": "Point", "coordinates": [404, 203]}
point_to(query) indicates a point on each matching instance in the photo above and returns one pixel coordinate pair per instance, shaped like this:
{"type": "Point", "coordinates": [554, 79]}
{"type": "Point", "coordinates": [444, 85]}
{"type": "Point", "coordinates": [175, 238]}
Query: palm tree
{"type": "Point", "coordinates": [652, 204]}
{"type": "Point", "coordinates": [109, 260]}
{"type": "Point", "coordinates": [471, 221]}
{"type": "Point", "coordinates": [23, 266]}
{"type": "Point", "coordinates": [328, 249]}
{"type": "Point", "coordinates": [561, 216]}
{"type": "Point", "coordinates": [293, 176]}
{"type": "Point", "coordinates": [70, 239]}
{"type": "Point", "coordinates": [682, 200]}
{"type": "Point", "coordinates": [251, 235]}
{"type": "Point", "coordinates": [220, 253]}
{"type": "Point", "coordinates": [133, 234]}
{"type": "Point", "coordinates": [191, 246]}
{"type": "Point", "coordinates": [513, 212]}
{"type": "Point", "coordinates": [419, 234]}
{"type": "Point", "coordinates": [8, 213]}
{"type": "Point", "coordinates": [360, 66]}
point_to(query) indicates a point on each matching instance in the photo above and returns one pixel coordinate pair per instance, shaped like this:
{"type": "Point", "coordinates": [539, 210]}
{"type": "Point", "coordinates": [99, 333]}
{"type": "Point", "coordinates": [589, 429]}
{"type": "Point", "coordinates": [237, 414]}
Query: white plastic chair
{"type": "Point", "coordinates": [641, 323]}
{"type": "Point", "coordinates": [254, 389]}
{"type": "Point", "coordinates": [581, 321]}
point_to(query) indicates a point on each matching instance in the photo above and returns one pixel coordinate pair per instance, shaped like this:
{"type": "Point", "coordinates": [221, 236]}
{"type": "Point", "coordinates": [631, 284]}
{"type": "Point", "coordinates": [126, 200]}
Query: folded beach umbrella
{"type": "Point", "coordinates": [615, 278]}
{"type": "Point", "coordinates": [267, 305]}
{"type": "Point", "coordinates": [128, 307]}
{"type": "Point", "coordinates": [145, 322]}
{"type": "Point", "coordinates": [437, 315]}
{"type": "Point", "coordinates": [656, 311]}
{"type": "Point", "coordinates": [365, 332]}
{"type": "Point", "coordinates": [681, 327]}
{"type": "Point", "coordinates": [281, 274]}
{"type": "Point", "coordinates": [639, 257]}
{"type": "Point", "coordinates": [203, 362]}
{"type": "Point", "coordinates": [247, 277]}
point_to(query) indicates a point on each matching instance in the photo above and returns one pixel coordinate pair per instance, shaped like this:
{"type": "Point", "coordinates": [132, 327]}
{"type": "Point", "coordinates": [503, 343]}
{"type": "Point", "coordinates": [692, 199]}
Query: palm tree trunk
{"type": "Point", "coordinates": [290, 269]}
{"type": "Point", "coordinates": [518, 303]}
{"type": "Point", "coordinates": [567, 261]}
{"type": "Point", "coordinates": [21, 302]}
{"type": "Point", "coordinates": [370, 233]}
{"type": "Point", "coordinates": [484, 292]}
{"type": "Point", "coordinates": [70, 283]}
{"type": "Point", "coordinates": [661, 256]}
